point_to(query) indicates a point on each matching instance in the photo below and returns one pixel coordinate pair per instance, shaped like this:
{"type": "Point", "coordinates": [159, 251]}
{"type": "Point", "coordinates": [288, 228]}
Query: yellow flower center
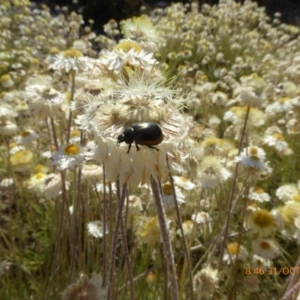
{"type": "Point", "coordinates": [289, 211]}
{"type": "Point", "coordinates": [184, 179]}
{"type": "Point", "coordinates": [258, 190]}
{"type": "Point", "coordinates": [265, 245]}
{"type": "Point", "coordinates": [34, 61]}
{"type": "Point", "coordinates": [72, 149]}
{"type": "Point", "coordinates": [25, 133]}
{"type": "Point", "coordinates": [253, 151]}
{"type": "Point", "coordinates": [282, 100]}
{"type": "Point", "coordinates": [278, 136]}
{"type": "Point", "coordinates": [259, 262]}
{"type": "Point", "coordinates": [167, 189]}
{"type": "Point", "coordinates": [263, 218]}
{"type": "Point", "coordinates": [296, 198]}
{"type": "Point", "coordinates": [72, 53]}
{"type": "Point", "coordinates": [49, 93]}
{"type": "Point", "coordinates": [54, 51]}
{"type": "Point", "coordinates": [40, 169]}
{"type": "Point", "coordinates": [150, 277]}
{"type": "Point", "coordinates": [203, 77]}
{"type": "Point", "coordinates": [5, 77]}
{"type": "Point", "coordinates": [75, 133]}
{"type": "Point", "coordinates": [39, 176]}
{"type": "Point", "coordinates": [21, 157]}
{"type": "Point", "coordinates": [233, 248]}
{"type": "Point", "coordinates": [127, 45]}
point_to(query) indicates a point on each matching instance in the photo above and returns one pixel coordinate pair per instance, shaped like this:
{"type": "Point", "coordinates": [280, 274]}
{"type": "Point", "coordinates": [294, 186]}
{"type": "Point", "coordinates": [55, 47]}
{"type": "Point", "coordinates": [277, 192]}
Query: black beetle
{"type": "Point", "coordinates": [144, 133]}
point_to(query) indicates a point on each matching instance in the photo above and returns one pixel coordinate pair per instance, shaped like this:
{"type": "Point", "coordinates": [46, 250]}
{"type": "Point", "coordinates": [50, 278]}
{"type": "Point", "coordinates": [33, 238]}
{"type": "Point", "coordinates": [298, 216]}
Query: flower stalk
{"type": "Point", "coordinates": [167, 247]}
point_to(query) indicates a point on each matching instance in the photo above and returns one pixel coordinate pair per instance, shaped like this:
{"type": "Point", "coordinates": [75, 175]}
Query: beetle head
{"type": "Point", "coordinates": [120, 139]}
{"type": "Point", "coordinates": [127, 136]}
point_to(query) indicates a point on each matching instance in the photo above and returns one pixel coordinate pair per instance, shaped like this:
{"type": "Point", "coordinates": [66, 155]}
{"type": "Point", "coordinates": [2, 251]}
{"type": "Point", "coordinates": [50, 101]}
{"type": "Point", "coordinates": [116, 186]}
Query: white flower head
{"type": "Point", "coordinates": [68, 157]}
{"type": "Point", "coordinates": [71, 60]}
{"type": "Point", "coordinates": [139, 28]}
{"type": "Point", "coordinates": [92, 173]}
{"type": "Point", "coordinates": [168, 197]}
{"type": "Point", "coordinates": [246, 96]}
{"type": "Point", "coordinates": [183, 182]}
{"type": "Point", "coordinates": [8, 128]}
{"type": "Point", "coordinates": [44, 101]}
{"type": "Point", "coordinates": [287, 191]}
{"type": "Point", "coordinates": [129, 105]}
{"type": "Point", "coordinates": [6, 182]}
{"type": "Point", "coordinates": [201, 218]}
{"type": "Point", "coordinates": [276, 141]}
{"type": "Point", "coordinates": [36, 182]}
{"type": "Point", "coordinates": [96, 229]}
{"type": "Point", "coordinates": [283, 105]}
{"type": "Point", "coordinates": [212, 173]}
{"type": "Point", "coordinates": [126, 55]}
{"type": "Point", "coordinates": [259, 195]}
{"type": "Point", "coordinates": [265, 248]}
{"type": "Point", "coordinates": [53, 186]}
{"type": "Point", "coordinates": [235, 250]}
{"type": "Point", "coordinates": [252, 159]}
{"type": "Point", "coordinates": [27, 137]}
{"type": "Point", "coordinates": [7, 112]}
{"type": "Point", "coordinates": [205, 281]}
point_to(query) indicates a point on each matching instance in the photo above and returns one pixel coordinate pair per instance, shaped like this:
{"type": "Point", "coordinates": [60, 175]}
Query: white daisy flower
{"type": "Point", "coordinates": [92, 173]}
{"type": "Point", "coordinates": [261, 222]}
{"type": "Point", "coordinates": [246, 96]}
{"type": "Point", "coordinates": [212, 173]}
{"type": "Point", "coordinates": [205, 282]}
{"type": "Point", "coordinates": [252, 159]}
{"type": "Point", "coordinates": [6, 112]}
{"type": "Point", "coordinates": [36, 182]}
{"type": "Point", "coordinates": [265, 248]}
{"type": "Point", "coordinates": [280, 106]}
{"type": "Point", "coordinates": [44, 101]}
{"type": "Point", "coordinates": [168, 197]}
{"type": "Point", "coordinates": [53, 186]}
{"type": "Point", "coordinates": [287, 191]}
{"type": "Point", "coordinates": [237, 115]}
{"type": "Point", "coordinates": [6, 182]}
{"type": "Point", "coordinates": [116, 60]}
{"type": "Point", "coordinates": [95, 228]}
{"type": "Point", "coordinates": [201, 218]}
{"type": "Point", "coordinates": [260, 262]}
{"type": "Point", "coordinates": [235, 250]}
{"type": "Point", "coordinates": [71, 60]}
{"type": "Point", "coordinates": [6, 81]}
{"type": "Point", "coordinates": [27, 137]}
{"type": "Point", "coordinates": [8, 128]}
{"type": "Point", "coordinates": [108, 120]}
{"type": "Point", "coordinates": [67, 157]}
{"type": "Point", "coordinates": [100, 187]}
{"type": "Point", "coordinates": [276, 141]}
{"type": "Point", "coordinates": [183, 182]}
{"type": "Point", "coordinates": [219, 98]}
{"type": "Point", "coordinates": [139, 29]}
{"type": "Point", "coordinates": [259, 195]}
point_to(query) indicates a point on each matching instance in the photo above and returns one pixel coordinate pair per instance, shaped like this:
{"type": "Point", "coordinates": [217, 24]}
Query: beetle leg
{"type": "Point", "coordinates": [137, 147]}
{"type": "Point", "coordinates": [152, 147]}
{"type": "Point", "coordinates": [129, 148]}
